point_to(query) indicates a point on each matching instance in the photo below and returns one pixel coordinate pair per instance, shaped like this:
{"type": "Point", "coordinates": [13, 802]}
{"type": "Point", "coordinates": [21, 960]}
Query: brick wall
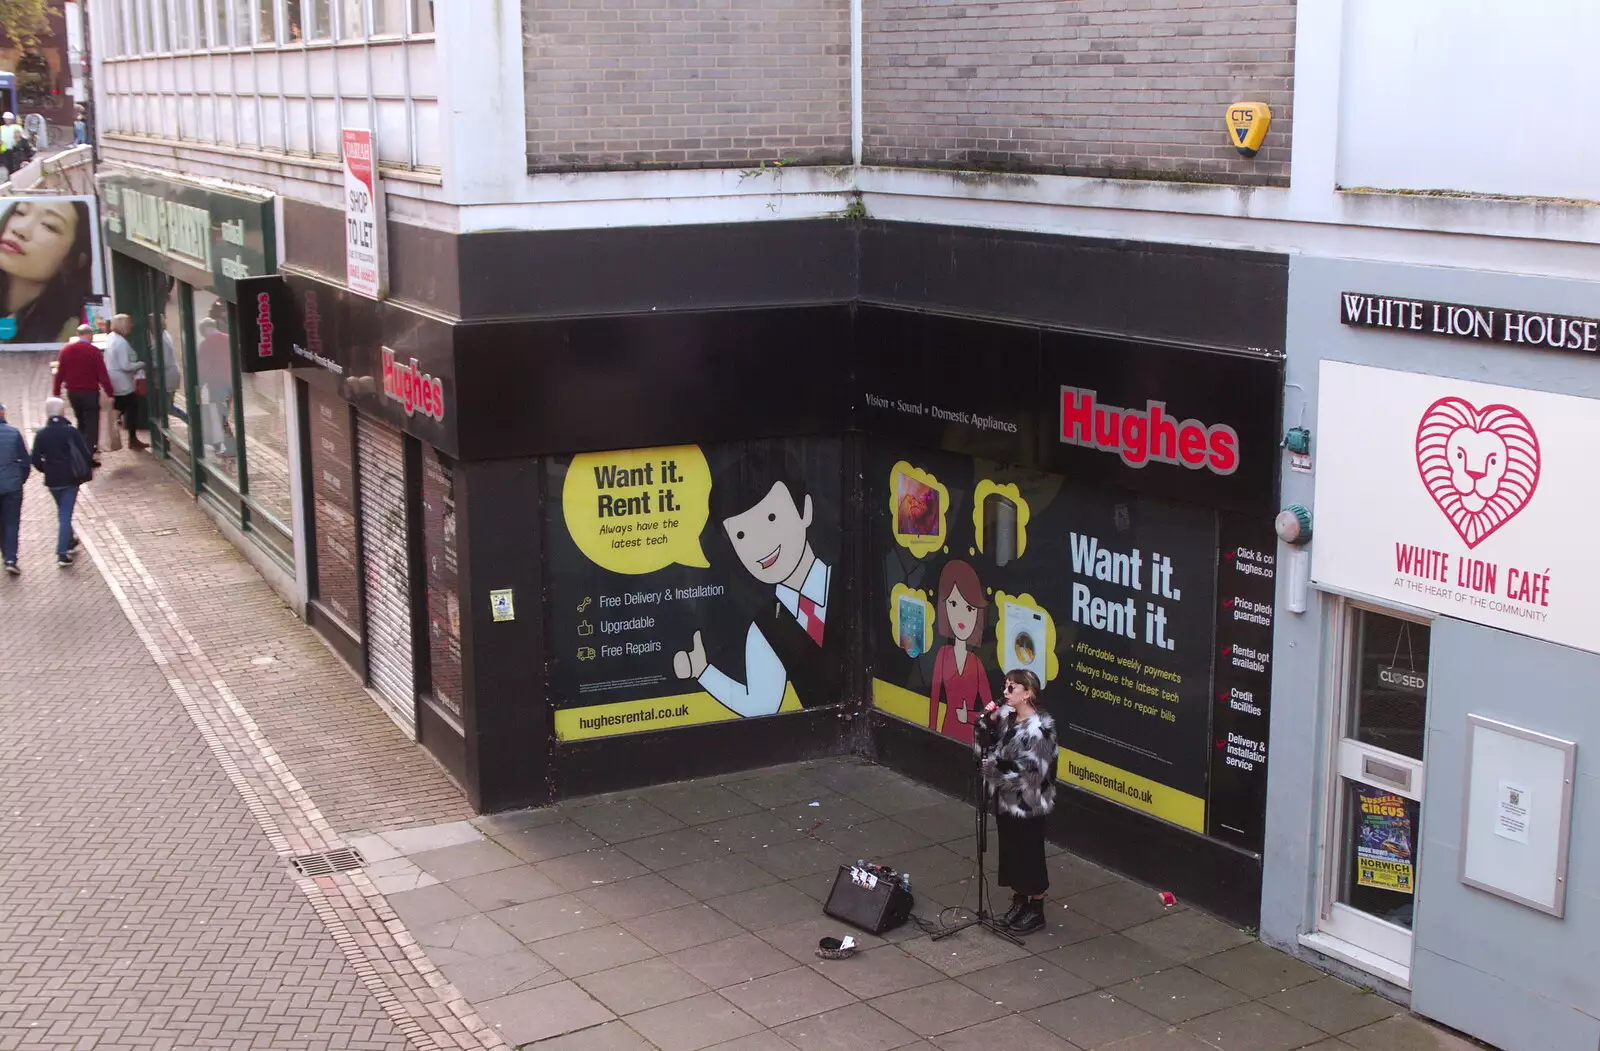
{"type": "Point", "coordinates": [686, 83]}
{"type": "Point", "coordinates": [1119, 88]}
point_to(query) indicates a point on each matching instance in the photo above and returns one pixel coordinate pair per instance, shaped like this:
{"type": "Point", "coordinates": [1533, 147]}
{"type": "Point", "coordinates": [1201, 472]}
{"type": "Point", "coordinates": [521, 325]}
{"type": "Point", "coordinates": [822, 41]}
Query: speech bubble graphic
{"type": "Point", "coordinates": [918, 504]}
{"type": "Point", "coordinates": [1004, 548]}
{"type": "Point", "coordinates": [1017, 643]}
{"type": "Point", "coordinates": [639, 510]}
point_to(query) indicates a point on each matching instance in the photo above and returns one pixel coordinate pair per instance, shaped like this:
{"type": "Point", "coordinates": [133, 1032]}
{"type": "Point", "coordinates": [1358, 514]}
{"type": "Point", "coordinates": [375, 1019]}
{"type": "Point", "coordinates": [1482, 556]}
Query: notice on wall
{"type": "Point", "coordinates": [444, 600]}
{"type": "Point", "coordinates": [1384, 841]}
{"type": "Point", "coordinates": [693, 585]}
{"type": "Point", "coordinates": [1511, 812]}
{"type": "Point", "coordinates": [1107, 597]}
{"type": "Point", "coordinates": [333, 487]}
{"type": "Point", "coordinates": [365, 252]}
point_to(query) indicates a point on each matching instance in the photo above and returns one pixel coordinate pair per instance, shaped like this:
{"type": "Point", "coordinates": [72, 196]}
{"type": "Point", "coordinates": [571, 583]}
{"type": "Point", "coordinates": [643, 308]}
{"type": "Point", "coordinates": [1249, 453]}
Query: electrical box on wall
{"type": "Point", "coordinates": [1247, 126]}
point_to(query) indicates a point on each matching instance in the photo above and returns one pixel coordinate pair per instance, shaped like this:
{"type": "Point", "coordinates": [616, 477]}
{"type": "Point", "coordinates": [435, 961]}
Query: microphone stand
{"type": "Point", "coordinates": [983, 917]}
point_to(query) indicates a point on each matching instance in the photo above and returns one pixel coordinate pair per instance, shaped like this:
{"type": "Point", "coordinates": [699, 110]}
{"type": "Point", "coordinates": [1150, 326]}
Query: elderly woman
{"type": "Point", "coordinates": [1021, 771]}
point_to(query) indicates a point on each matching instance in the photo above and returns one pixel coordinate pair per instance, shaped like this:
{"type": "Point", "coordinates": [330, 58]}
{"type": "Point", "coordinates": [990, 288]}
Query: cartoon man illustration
{"type": "Point", "coordinates": [764, 512]}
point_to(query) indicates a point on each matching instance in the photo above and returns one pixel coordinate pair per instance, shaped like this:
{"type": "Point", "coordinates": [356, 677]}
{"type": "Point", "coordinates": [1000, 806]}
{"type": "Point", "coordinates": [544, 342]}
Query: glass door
{"type": "Point", "coordinates": [1375, 803]}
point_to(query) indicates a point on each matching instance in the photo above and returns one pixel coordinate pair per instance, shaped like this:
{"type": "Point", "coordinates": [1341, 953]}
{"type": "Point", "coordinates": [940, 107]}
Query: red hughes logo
{"type": "Point", "coordinates": [1481, 466]}
{"type": "Point", "coordinates": [411, 387]}
{"type": "Point", "coordinates": [264, 324]}
{"type": "Point", "coordinates": [1145, 435]}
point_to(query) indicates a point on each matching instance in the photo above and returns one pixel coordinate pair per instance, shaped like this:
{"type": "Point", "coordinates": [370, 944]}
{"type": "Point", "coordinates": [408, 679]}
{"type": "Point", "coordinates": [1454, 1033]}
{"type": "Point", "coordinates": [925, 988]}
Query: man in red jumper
{"type": "Point", "coordinates": [82, 371]}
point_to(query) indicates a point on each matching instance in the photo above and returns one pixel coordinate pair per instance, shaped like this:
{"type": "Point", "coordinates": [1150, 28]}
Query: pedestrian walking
{"type": "Point", "coordinates": [10, 142]}
{"type": "Point", "coordinates": [82, 371]}
{"type": "Point", "coordinates": [1021, 770]}
{"type": "Point", "coordinates": [14, 471]}
{"type": "Point", "coordinates": [62, 456]}
{"type": "Point", "coordinates": [127, 376]}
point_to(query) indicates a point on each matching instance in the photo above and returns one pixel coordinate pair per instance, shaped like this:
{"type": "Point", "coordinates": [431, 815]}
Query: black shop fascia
{"type": "Point", "coordinates": [1111, 504]}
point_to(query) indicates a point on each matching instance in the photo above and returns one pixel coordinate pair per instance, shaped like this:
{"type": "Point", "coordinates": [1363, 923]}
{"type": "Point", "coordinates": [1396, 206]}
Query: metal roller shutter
{"type": "Point", "coordinates": [385, 567]}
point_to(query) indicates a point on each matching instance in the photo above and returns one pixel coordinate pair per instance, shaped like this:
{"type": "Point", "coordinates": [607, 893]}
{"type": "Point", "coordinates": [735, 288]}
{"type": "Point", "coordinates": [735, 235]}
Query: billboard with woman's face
{"type": "Point", "coordinates": [49, 268]}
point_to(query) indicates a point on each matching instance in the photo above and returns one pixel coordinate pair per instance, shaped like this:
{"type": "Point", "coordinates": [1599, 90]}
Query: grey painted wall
{"type": "Point", "coordinates": [1503, 972]}
{"type": "Point", "coordinates": [1299, 734]}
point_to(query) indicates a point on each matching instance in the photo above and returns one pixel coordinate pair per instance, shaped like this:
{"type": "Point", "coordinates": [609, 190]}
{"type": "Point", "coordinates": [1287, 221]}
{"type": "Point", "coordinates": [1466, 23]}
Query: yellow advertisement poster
{"type": "Point", "coordinates": [1383, 845]}
{"type": "Point", "coordinates": [692, 585]}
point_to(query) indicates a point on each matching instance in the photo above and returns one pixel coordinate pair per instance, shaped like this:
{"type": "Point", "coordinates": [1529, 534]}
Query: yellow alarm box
{"type": "Point", "coordinates": [1247, 125]}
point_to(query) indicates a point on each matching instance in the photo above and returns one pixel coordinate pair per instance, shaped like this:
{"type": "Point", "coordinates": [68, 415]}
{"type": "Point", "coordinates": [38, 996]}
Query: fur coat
{"type": "Point", "coordinates": [1022, 767]}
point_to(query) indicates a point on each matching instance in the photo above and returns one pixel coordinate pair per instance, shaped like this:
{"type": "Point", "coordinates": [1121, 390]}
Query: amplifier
{"type": "Point", "coordinates": [881, 906]}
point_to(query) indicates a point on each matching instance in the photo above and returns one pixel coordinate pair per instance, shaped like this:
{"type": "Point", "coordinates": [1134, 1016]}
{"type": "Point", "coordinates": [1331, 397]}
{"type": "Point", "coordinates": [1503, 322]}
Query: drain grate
{"type": "Point", "coordinates": [341, 860]}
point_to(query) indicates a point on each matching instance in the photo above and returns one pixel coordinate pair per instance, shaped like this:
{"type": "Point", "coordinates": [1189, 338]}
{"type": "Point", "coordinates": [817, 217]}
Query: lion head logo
{"type": "Point", "coordinates": [1481, 466]}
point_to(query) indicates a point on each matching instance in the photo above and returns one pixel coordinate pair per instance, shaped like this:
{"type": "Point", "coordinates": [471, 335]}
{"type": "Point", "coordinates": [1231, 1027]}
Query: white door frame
{"type": "Point", "coordinates": [1356, 937]}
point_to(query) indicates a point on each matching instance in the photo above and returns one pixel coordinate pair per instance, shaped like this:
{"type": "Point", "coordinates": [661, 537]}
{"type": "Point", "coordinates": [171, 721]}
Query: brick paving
{"type": "Point", "coordinates": [158, 772]}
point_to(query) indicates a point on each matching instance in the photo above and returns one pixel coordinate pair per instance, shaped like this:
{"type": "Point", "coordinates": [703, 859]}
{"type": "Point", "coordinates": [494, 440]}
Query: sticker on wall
{"type": "Point", "coordinates": [1000, 521]}
{"type": "Point", "coordinates": [636, 511]}
{"type": "Point", "coordinates": [918, 504]}
{"type": "Point", "coordinates": [501, 605]}
{"type": "Point", "coordinates": [911, 619]}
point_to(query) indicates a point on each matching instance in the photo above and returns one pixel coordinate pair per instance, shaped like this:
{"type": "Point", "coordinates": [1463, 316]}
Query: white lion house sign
{"type": "Point", "coordinates": [1471, 501]}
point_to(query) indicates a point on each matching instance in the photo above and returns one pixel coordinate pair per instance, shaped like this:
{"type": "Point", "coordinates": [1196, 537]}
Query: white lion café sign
{"type": "Point", "coordinates": [1468, 500]}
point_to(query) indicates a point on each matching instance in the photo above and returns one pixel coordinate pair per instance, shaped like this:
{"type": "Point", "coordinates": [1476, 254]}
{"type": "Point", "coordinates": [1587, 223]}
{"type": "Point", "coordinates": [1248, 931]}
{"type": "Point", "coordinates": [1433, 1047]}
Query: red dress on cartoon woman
{"type": "Point", "coordinates": [959, 678]}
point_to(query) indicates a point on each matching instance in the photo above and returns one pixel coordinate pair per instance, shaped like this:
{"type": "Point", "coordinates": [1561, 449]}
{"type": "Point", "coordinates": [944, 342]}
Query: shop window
{"type": "Point", "coordinates": [1389, 677]}
{"type": "Point", "coordinates": [267, 22]}
{"type": "Point", "coordinates": [444, 607]}
{"type": "Point", "coordinates": [265, 426]}
{"type": "Point", "coordinates": [241, 21]}
{"type": "Point", "coordinates": [182, 39]}
{"type": "Point", "coordinates": [213, 386]}
{"type": "Point", "coordinates": [422, 16]}
{"type": "Point", "coordinates": [332, 458]}
{"type": "Point", "coordinates": [166, 333]}
{"type": "Point", "coordinates": [389, 17]}
{"type": "Point", "coordinates": [35, 83]}
{"type": "Point", "coordinates": [352, 21]}
{"type": "Point", "coordinates": [202, 25]}
{"type": "Point", "coordinates": [294, 31]}
{"type": "Point", "coordinates": [319, 19]}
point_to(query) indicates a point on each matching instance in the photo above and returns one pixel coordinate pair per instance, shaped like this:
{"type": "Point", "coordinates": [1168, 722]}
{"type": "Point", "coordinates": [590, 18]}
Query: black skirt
{"type": "Point", "coordinates": [1021, 850]}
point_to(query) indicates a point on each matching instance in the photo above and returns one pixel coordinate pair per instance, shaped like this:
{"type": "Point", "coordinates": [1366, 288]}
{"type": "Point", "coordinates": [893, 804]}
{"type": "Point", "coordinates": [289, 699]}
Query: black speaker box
{"type": "Point", "coordinates": [873, 909]}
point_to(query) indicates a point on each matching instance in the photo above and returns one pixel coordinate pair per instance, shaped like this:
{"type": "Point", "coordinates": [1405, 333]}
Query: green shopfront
{"type": "Point", "coordinates": [177, 250]}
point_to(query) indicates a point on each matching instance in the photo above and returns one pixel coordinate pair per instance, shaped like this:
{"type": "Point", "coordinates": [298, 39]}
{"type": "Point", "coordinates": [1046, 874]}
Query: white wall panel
{"type": "Point", "coordinates": [272, 118]}
{"type": "Point", "coordinates": [394, 146]}
{"type": "Point", "coordinates": [388, 69]}
{"type": "Point", "coordinates": [327, 127]}
{"type": "Point", "coordinates": [1482, 96]}
{"type": "Point", "coordinates": [322, 66]}
{"type": "Point", "coordinates": [429, 149]}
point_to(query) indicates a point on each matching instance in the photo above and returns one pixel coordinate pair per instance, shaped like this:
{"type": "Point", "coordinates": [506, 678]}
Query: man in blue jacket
{"type": "Point", "coordinates": [62, 455]}
{"type": "Point", "coordinates": [14, 471]}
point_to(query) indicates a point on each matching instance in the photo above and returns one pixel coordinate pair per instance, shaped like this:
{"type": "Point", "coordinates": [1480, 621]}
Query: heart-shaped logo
{"type": "Point", "coordinates": [1481, 466]}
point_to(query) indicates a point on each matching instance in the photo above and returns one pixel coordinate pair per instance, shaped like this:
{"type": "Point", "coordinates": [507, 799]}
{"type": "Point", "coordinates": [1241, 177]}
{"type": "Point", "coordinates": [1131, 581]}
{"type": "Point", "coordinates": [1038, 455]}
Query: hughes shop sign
{"type": "Point", "coordinates": [1469, 500]}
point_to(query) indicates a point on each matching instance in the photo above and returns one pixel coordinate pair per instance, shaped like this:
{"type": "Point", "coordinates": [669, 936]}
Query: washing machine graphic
{"type": "Point", "coordinates": [1024, 642]}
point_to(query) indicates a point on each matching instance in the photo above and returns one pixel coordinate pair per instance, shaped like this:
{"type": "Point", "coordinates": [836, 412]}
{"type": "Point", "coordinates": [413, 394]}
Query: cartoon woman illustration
{"type": "Point", "coordinates": [958, 675]}
{"type": "Point", "coordinates": [46, 267]}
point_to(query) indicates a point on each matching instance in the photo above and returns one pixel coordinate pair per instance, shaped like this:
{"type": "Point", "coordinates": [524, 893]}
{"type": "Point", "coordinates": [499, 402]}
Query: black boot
{"type": "Point", "coordinates": [1031, 918]}
{"type": "Point", "coordinates": [1019, 903]}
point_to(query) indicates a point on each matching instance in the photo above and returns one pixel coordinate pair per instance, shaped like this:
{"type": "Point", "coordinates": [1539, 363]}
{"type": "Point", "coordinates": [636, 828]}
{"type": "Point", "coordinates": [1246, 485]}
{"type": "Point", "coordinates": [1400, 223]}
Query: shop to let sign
{"type": "Point", "coordinates": [364, 251]}
{"type": "Point", "coordinates": [1460, 498]}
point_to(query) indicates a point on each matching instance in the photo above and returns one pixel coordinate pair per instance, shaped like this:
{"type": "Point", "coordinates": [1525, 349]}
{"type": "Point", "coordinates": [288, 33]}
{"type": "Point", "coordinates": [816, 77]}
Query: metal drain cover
{"type": "Point", "coordinates": [341, 860]}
